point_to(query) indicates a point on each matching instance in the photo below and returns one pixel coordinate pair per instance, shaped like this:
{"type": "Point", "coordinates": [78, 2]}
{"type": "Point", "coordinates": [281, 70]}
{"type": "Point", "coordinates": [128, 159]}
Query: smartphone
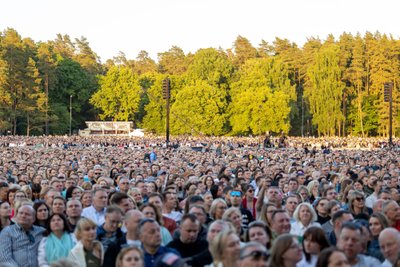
{"type": "Point", "coordinates": [86, 179]}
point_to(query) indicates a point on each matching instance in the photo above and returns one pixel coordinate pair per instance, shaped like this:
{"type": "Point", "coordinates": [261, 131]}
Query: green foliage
{"type": "Point", "coordinates": [119, 94]}
{"type": "Point", "coordinates": [199, 109]}
{"type": "Point", "coordinates": [261, 97]}
{"type": "Point", "coordinates": [336, 85]}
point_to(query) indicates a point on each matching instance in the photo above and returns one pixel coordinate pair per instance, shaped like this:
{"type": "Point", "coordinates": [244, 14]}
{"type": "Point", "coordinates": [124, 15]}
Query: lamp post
{"type": "Point", "coordinates": [70, 115]}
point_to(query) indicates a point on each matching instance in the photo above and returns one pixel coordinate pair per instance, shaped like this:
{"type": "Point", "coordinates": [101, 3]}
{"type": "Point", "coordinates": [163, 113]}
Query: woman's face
{"type": "Point", "coordinates": [338, 259]}
{"type": "Point", "coordinates": [315, 189]}
{"type": "Point", "coordinates": [42, 213]}
{"type": "Point", "coordinates": [305, 215]}
{"type": "Point", "coordinates": [219, 211]}
{"type": "Point", "coordinates": [208, 199]}
{"type": "Point", "coordinates": [209, 182]}
{"type": "Point", "coordinates": [132, 258]}
{"type": "Point", "coordinates": [358, 202]}
{"type": "Point", "coordinates": [149, 212]}
{"type": "Point", "coordinates": [232, 248]}
{"type": "Point", "coordinates": [375, 226]}
{"type": "Point", "coordinates": [304, 194]}
{"type": "Point", "coordinates": [236, 220]}
{"type": "Point", "coordinates": [258, 234]}
{"type": "Point", "coordinates": [311, 247]}
{"type": "Point", "coordinates": [294, 253]}
{"type": "Point", "coordinates": [88, 233]}
{"type": "Point", "coordinates": [56, 224]}
{"type": "Point", "coordinates": [137, 196]}
{"type": "Point", "coordinates": [58, 206]}
{"type": "Point", "coordinates": [11, 198]}
{"type": "Point", "coordinates": [5, 210]}
{"type": "Point", "coordinates": [76, 193]}
{"type": "Point", "coordinates": [87, 200]}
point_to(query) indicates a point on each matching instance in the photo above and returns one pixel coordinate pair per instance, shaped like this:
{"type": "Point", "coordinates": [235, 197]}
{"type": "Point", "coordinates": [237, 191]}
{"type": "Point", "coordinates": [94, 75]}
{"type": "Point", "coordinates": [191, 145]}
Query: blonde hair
{"type": "Point", "coordinates": [219, 244]}
{"type": "Point", "coordinates": [83, 223]}
{"type": "Point", "coordinates": [124, 251]}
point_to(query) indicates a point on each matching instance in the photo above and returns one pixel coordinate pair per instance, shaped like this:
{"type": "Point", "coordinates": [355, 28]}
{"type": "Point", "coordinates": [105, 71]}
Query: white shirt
{"type": "Point", "coordinates": [370, 200]}
{"type": "Point", "coordinates": [94, 215]}
{"type": "Point", "coordinates": [297, 228]}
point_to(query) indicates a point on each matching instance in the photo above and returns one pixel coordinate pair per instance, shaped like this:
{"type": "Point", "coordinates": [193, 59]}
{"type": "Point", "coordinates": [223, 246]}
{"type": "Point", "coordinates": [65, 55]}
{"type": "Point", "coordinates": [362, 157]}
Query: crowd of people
{"type": "Point", "coordinates": [221, 202]}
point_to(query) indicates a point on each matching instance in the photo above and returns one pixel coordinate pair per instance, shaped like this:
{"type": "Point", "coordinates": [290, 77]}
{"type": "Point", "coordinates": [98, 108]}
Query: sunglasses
{"type": "Point", "coordinates": [359, 198]}
{"type": "Point", "coordinates": [236, 194]}
{"type": "Point", "coordinates": [257, 255]}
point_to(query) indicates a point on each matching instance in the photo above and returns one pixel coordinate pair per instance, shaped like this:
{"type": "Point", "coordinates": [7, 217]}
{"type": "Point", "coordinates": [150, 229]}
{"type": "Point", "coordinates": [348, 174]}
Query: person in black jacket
{"type": "Point", "coordinates": [188, 243]}
{"type": "Point", "coordinates": [131, 222]}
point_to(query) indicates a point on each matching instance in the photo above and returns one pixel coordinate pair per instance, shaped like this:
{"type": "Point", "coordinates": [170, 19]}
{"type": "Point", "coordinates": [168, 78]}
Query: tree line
{"type": "Point", "coordinates": [327, 87]}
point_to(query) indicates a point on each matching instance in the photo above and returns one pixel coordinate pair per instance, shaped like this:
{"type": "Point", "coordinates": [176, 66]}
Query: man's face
{"type": "Point", "coordinates": [331, 194]}
{"type": "Point", "coordinates": [255, 257]}
{"type": "Point", "coordinates": [236, 198]}
{"type": "Point", "coordinates": [393, 212]}
{"type": "Point", "coordinates": [58, 186]}
{"type": "Point", "coordinates": [25, 216]}
{"type": "Point", "coordinates": [150, 235]}
{"type": "Point", "coordinates": [100, 199]}
{"type": "Point", "coordinates": [74, 209]}
{"type": "Point", "coordinates": [293, 186]}
{"type": "Point", "coordinates": [199, 214]}
{"type": "Point", "coordinates": [171, 201]}
{"type": "Point", "coordinates": [3, 193]}
{"type": "Point", "coordinates": [274, 195]}
{"type": "Point", "coordinates": [291, 203]}
{"type": "Point", "coordinates": [390, 246]}
{"type": "Point", "coordinates": [123, 185]}
{"type": "Point", "coordinates": [189, 231]}
{"type": "Point", "coordinates": [281, 223]}
{"type": "Point", "coordinates": [126, 205]}
{"type": "Point", "coordinates": [371, 180]}
{"type": "Point", "coordinates": [112, 221]}
{"type": "Point", "coordinates": [350, 242]}
{"type": "Point", "coordinates": [132, 223]}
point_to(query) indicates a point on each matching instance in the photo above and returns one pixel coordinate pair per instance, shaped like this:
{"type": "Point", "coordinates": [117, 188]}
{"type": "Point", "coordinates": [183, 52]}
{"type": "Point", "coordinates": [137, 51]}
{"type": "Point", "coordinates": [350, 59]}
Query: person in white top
{"type": "Point", "coordinates": [305, 217]}
{"type": "Point", "coordinates": [97, 211]}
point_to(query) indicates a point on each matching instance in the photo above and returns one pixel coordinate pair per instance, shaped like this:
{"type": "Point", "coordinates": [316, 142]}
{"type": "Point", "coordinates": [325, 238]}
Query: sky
{"type": "Point", "coordinates": [156, 25]}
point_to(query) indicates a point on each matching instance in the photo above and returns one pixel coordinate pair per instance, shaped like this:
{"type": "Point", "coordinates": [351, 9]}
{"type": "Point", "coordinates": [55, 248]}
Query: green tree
{"type": "Point", "coordinates": [199, 109]}
{"type": "Point", "coordinates": [119, 94]}
{"type": "Point", "coordinates": [325, 90]}
{"type": "Point", "coordinates": [261, 98]}
{"type": "Point", "coordinates": [173, 61]}
{"type": "Point", "coordinates": [244, 50]}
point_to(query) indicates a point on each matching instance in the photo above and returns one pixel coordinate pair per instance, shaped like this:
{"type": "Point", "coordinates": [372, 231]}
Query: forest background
{"type": "Point", "coordinates": [325, 88]}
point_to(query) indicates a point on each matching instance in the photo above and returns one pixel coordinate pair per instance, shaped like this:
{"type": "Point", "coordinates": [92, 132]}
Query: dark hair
{"type": "Point", "coordinates": [117, 197]}
{"type": "Point", "coordinates": [262, 225]}
{"type": "Point", "coordinates": [156, 194]}
{"type": "Point", "coordinates": [36, 206]}
{"type": "Point", "coordinates": [62, 216]}
{"type": "Point", "coordinates": [191, 217]}
{"type": "Point", "coordinates": [68, 193]}
{"type": "Point", "coordinates": [324, 256]}
{"type": "Point", "coordinates": [339, 214]}
{"type": "Point", "coordinates": [190, 201]}
{"type": "Point", "coordinates": [318, 236]}
{"type": "Point", "coordinates": [276, 212]}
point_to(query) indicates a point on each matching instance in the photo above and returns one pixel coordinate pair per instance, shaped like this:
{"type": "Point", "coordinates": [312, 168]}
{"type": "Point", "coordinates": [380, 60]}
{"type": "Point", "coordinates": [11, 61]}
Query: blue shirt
{"type": "Point", "coordinates": [18, 247]}
{"type": "Point", "coordinates": [149, 259]}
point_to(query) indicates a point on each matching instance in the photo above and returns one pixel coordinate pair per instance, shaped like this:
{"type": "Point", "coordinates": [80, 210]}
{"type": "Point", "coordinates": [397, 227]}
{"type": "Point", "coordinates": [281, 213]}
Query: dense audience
{"type": "Point", "coordinates": [114, 201]}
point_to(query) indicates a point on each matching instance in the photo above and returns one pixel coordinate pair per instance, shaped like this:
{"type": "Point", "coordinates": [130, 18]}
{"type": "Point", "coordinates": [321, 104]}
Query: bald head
{"type": "Point", "coordinates": [389, 241]}
{"type": "Point", "coordinates": [132, 220]}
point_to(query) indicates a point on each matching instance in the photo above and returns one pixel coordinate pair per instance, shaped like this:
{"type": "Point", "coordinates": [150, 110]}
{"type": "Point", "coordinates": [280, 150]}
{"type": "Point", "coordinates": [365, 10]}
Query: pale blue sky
{"type": "Point", "coordinates": [156, 25]}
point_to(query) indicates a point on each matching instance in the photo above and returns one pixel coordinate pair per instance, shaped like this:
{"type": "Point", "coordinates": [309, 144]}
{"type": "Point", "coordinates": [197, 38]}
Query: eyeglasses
{"type": "Point", "coordinates": [236, 194]}
{"type": "Point", "coordinates": [250, 190]}
{"type": "Point", "coordinates": [359, 199]}
{"type": "Point", "coordinates": [256, 254]}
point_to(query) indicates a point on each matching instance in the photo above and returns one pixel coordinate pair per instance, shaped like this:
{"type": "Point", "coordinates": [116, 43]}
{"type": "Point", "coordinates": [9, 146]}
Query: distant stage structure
{"type": "Point", "coordinates": [110, 128]}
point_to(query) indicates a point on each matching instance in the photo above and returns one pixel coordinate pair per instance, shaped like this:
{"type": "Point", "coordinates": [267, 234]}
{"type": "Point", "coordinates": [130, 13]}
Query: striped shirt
{"type": "Point", "coordinates": [18, 247]}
